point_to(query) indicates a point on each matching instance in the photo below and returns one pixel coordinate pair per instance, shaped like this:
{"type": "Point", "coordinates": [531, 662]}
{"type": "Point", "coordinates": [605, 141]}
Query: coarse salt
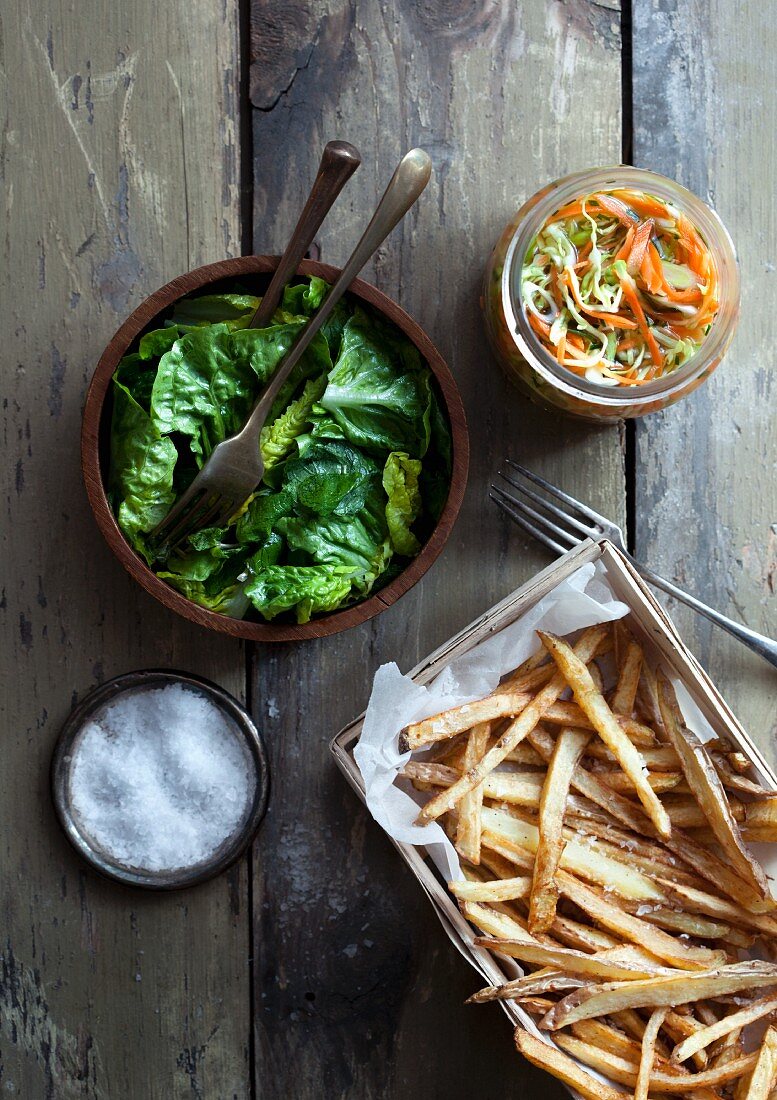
{"type": "Point", "coordinates": [160, 778]}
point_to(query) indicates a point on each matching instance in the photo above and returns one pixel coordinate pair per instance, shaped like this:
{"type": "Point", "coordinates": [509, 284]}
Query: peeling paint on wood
{"type": "Point", "coordinates": [706, 496]}
{"type": "Point", "coordinates": [104, 992]}
{"type": "Point", "coordinates": [357, 989]}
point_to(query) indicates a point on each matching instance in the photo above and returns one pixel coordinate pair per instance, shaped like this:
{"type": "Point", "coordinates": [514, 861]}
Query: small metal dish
{"type": "Point", "coordinates": [229, 851]}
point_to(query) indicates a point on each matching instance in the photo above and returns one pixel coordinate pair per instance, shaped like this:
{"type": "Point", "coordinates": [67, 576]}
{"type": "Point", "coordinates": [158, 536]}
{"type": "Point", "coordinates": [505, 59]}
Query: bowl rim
{"type": "Point", "coordinates": [91, 468]}
{"type": "Point", "coordinates": [61, 763]}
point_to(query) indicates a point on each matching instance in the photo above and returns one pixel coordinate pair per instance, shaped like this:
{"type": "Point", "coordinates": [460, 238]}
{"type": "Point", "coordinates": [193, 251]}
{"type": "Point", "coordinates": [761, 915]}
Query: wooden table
{"type": "Point", "coordinates": [142, 139]}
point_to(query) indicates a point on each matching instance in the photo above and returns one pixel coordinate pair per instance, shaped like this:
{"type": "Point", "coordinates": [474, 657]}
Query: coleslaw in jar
{"type": "Point", "coordinates": [612, 293]}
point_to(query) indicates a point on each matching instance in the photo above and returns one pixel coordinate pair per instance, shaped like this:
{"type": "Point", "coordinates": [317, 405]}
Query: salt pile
{"type": "Point", "coordinates": [160, 777]}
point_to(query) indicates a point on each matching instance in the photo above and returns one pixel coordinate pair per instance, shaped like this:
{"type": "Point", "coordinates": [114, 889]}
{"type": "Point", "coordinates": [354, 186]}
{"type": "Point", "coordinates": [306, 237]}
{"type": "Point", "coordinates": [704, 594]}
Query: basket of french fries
{"type": "Point", "coordinates": [592, 825]}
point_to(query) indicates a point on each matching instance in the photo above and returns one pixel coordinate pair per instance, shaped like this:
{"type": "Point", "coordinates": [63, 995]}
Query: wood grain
{"type": "Point", "coordinates": [357, 990]}
{"type": "Point", "coordinates": [120, 170]}
{"type": "Point", "coordinates": [706, 496]}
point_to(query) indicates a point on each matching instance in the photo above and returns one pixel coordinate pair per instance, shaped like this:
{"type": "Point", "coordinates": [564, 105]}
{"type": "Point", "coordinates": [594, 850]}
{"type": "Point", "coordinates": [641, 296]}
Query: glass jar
{"type": "Point", "coordinates": [529, 364]}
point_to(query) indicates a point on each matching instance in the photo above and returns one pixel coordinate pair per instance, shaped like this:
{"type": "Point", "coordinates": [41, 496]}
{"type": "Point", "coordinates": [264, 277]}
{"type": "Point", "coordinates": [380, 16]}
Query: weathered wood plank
{"type": "Point", "coordinates": [118, 125]}
{"type": "Point", "coordinates": [706, 497]}
{"type": "Point", "coordinates": [358, 991]}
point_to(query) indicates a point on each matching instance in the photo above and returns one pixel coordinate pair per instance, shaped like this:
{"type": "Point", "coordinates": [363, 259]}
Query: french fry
{"type": "Point", "coordinates": [698, 901]}
{"type": "Point", "coordinates": [459, 719]}
{"type": "Point", "coordinates": [661, 782]}
{"type": "Point", "coordinates": [647, 1057]}
{"type": "Point", "coordinates": [765, 1071]}
{"type": "Point", "coordinates": [685, 813]}
{"type": "Point", "coordinates": [538, 659]}
{"type": "Point", "coordinates": [564, 1068]}
{"type": "Point", "coordinates": [596, 675]}
{"type": "Point", "coordinates": [518, 788]}
{"type": "Point", "coordinates": [733, 780]}
{"type": "Point", "coordinates": [638, 852]}
{"type": "Point", "coordinates": [536, 1006]}
{"type": "Point", "coordinates": [577, 857]}
{"type": "Point", "coordinates": [515, 733]}
{"type": "Point", "coordinates": [647, 700]}
{"type": "Point", "coordinates": [662, 758]}
{"type": "Point", "coordinates": [660, 992]}
{"type": "Point", "coordinates": [563, 713]}
{"type": "Point", "coordinates": [689, 924]}
{"type": "Point", "coordinates": [674, 951]}
{"type": "Point", "coordinates": [603, 966]}
{"type": "Point", "coordinates": [547, 980]}
{"type": "Point", "coordinates": [625, 693]}
{"type": "Point", "coordinates": [631, 1022]}
{"type": "Point", "coordinates": [739, 762]}
{"type": "Point", "coordinates": [570, 746]}
{"type": "Point", "coordinates": [716, 871]}
{"type": "Point", "coordinates": [446, 752]}
{"type": "Point", "coordinates": [507, 889]}
{"type": "Point", "coordinates": [498, 865]}
{"type": "Point", "coordinates": [594, 705]}
{"type": "Point", "coordinates": [765, 1006]}
{"type": "Point", "coordinates": [583, 937]}
{"type": "Point", "coordinates": [666, 1079]}
{"type": "Point", "coordinates": [760, 820]}
{"type": "Point", "coordinates": [597, 887]}
{"type": "Point", "coordinates": [704, 781]}
{"type": "Point", "coordinates": [529, 680]}
{"type": "Point", "coordinates": [468, 828]}
{"type": "Point", "coordinates": [525, 754]}
{"type": "Point", "coordinates": [609, 1038]}
{"type": "Point", "coordinates": [494, 923]}
{"type": "Point", "coordinates": [592, 788]}
{"type": "Point", "coordinates": [678, 1024]}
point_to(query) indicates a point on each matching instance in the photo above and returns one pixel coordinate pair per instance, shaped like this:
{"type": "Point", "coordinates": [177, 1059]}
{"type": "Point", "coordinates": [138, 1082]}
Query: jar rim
{"type": "Point", "coordinates": [556, 194]}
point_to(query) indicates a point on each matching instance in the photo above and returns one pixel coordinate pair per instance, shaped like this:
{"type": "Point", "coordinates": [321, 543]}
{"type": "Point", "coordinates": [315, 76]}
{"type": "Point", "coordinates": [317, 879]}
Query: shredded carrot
{"type": "Point", "coordinates": [630, 282]}
{"type": "Point", "coordinates": [630, 294]}
{"type": "Point", "coordinates": [639, 244]}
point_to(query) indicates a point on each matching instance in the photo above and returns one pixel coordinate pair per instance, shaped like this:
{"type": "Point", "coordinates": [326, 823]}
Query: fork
{"type": "Point", "coordinates": [562, 522]}
{"type": "Point", "coordinates": [235, 466]}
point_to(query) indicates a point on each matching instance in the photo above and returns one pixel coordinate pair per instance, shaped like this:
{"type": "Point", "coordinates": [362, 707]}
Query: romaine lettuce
{"type": "Point", "coordinates": [356, 452]}
{"type": "Point", "coordinates": [400, 480]}
{"type": "Point", "coordinates": [379, 391]}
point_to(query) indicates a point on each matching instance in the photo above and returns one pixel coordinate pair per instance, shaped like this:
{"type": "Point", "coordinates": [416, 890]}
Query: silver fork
{"type": "Point", "coordinates": [562, 522]}
{"type": "Point", "coordinates": [235, 467]}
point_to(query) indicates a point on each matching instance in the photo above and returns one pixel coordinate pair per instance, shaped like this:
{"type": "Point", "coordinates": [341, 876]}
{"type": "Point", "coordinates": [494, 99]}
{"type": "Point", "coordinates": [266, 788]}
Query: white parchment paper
{"type": "Point", "coordinates": [583, 599]}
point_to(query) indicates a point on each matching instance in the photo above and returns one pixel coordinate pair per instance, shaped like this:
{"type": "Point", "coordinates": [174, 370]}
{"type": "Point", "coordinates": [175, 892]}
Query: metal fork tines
{"type": "Point", "coordinates": [195, 510]}
{"type": "Point", "coordinates": [560, 521]}
{"type": "Point", "coordinates": [558, 528]}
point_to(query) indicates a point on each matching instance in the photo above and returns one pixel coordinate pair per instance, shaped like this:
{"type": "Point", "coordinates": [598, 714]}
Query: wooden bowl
{"type": "Point", "coordinates": [254, 272]}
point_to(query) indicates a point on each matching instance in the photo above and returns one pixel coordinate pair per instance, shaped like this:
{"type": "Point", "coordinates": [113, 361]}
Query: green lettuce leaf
{"type": "Point", "coordinates": [345, 496]}
{"type": "Point", "coordinates": [359, 542]}
{"type": "Point", "coordinates": [266, 552]}
{"type": "Point", "coordinates": [206, 384]}
{"type": "Point", "coordinates": [141, 469]}
{"type": "Point", "coordinates": [154, 344]}
{"type": "Point", "coordinates": [378, 391]}
{"type": "Point", "coordinates": [400, 480]}
{"type": "Point", "coordinates": [231, 599]}
{"type": "Point", "coordinates": [304, 589]}
{"type": "Point", "coordinates": [435, 479]}
{"type": "Point", "coordinates": [332, 477]}
{"type": "Point", "coordinates": [233, 310]}
{"type": "Point", "coordinates": [303, 299]}
{"type": "Point", "coordinates": [278, 438]}
{"type": "Point", "coordinates": [137, 376]}
{"type": "Point", "coordinates": [262, 515]}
